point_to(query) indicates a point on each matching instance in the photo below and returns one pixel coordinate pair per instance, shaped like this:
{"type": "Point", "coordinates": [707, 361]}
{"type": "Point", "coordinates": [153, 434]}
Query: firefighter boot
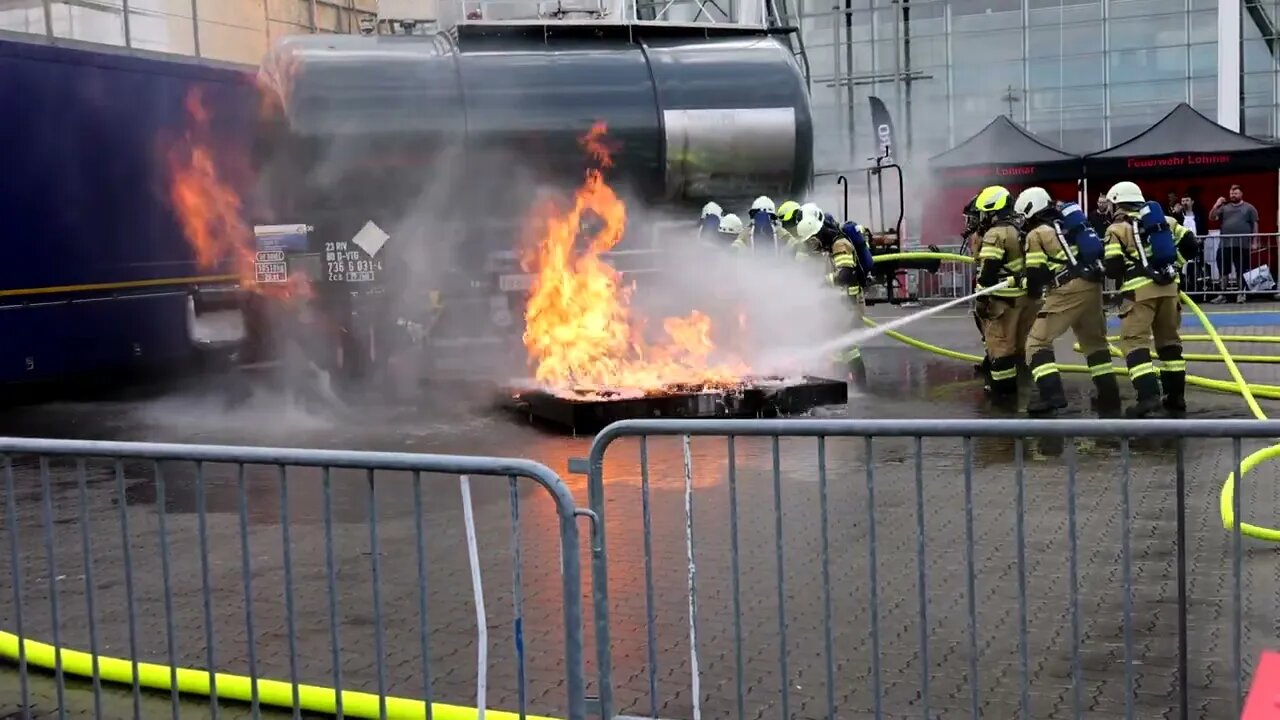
{"type": "Point", "coordinates": [1143, 375]}
{"type": "Point", "coordinates": [1048, 381]}
{"type": "Point", "coordinates": [1004, 382]}
{"type": "Point", "coordinates": [1173, 378]}
{"type": "Point", "coordinates": [1106, 401]}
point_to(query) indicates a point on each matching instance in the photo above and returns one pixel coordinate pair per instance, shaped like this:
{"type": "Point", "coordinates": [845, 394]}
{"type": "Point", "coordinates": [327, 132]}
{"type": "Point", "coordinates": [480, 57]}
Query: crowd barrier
{"type": "Point", "coordinates": [985, 568]}
{"type": "Point", "coordinates": [793, 568]}
{"type": "Point", "coordinates": [310, 572]}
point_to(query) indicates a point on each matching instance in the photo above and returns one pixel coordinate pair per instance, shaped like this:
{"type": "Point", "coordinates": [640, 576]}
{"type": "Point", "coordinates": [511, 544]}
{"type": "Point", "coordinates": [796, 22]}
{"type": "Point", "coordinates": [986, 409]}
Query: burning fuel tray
{"type": "Point", "coordinates": [757, 397]}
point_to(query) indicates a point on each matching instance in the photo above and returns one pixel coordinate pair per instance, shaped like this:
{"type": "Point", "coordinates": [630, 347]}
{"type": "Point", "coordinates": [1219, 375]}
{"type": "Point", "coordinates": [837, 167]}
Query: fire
{"type": "Point", "coordinates": [581, 335]}
{"type": "Point", "coordinates": [210, 209]}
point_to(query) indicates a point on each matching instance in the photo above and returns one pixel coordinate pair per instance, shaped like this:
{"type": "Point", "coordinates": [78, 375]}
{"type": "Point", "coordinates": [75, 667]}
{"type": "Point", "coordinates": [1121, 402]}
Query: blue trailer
{"type": "Point", "coordinates": [97, 276]}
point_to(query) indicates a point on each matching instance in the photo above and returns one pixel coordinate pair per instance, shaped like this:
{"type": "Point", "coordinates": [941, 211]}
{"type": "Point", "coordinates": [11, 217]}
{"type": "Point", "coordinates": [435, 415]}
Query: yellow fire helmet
{"type": "Point", "coordinates": [789, 213]}
{"type": "Point", "coordinates": [993, 199]}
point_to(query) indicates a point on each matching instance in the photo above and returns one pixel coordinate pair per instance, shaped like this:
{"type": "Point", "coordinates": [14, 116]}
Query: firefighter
{"type": "Point", "coordinates": [709, 220]}
{"type": "Point", "coordinates": [1145, 251]}
{"type": "Point", "coordinates": [972, 237]}
{"type": "Point", "coordinates": [788, 217]}
{"type": "Point", "coordinates": [731, 232]}
{"type": "Point", "coordinates": [764, 227]}
{"type": "Point", "coordinates": [1007, 313]}
{"type": "Point", "coordinates": [1064, 266]}
{"type": "Point", "coordinates": [850, 262]}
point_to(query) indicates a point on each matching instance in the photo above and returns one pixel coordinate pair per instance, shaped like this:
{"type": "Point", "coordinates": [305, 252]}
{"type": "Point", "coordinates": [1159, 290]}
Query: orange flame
{"type": "Point", "coordinates": [210, 210]}
{"type": "Point", "coordinates": [580, 334]}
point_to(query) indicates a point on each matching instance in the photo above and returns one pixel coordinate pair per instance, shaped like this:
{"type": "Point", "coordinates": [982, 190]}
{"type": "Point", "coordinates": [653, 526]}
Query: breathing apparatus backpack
{"type": "Point", "coordinates": [1153, 229]}
{"type": "Point", "coordinates": [859, 242]}
{"type": "Point", "coordinates": [1080, 242]}
{"type": "Point", "coordinates": [762, 231]}
{"type": "Point", "coordinates": [709, 226]}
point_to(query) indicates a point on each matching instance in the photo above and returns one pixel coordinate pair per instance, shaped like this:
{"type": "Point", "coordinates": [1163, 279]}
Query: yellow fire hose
{"type": "Point", "coordinates": [1237, 385]}
{"type": "Point", "coordinates": [312, 698]}
{"type": "Point", "coordinates": [275, 693]}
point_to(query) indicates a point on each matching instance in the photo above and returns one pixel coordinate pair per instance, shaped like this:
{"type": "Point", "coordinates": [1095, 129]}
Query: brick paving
{"type": "Point", "coordinates": [905, 384]}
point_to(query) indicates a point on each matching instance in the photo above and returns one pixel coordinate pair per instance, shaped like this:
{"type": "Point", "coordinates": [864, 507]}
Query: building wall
{"type": "Point", "coordinates": [1086, 74]}
{"type": "Point", "coordinates": [230, 30]}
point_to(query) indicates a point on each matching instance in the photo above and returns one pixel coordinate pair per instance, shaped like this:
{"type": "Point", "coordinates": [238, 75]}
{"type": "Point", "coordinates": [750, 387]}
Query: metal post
{"type": "Point", "coordinates": [128, 36]}
{"type": "Point", "coordinates": [195, 25]}
{"type": "Point", "coordinates": [311, 12]}
{"type": "Point", "coordinates": [1229, 39]}
{"type": "Point", "coordinates": [48, 18]}
{"type": "Point", "coordinates": [1181, 510]}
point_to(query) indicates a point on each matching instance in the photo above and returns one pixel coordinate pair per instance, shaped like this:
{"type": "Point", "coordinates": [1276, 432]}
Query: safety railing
{"type": "Point", "coordinates": [987, 568]}
{"type": "Point", "coordinates": [331, 582]}
{"type": "Point", "coordinates": [1234, 268]}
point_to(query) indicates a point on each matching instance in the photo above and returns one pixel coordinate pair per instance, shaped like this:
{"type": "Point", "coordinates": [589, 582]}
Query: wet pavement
{"type": "Point", "coordinates": [904, 383]}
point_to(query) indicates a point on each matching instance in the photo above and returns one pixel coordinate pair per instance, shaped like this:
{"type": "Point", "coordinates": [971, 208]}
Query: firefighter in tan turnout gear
{"type": "Point", "coordinates": [1146, 250]}
{"type": "Point", "coordinates": [1064, 266]}
{"type": "Point", "coordinates": [849, 269]}
{"type": "Point", "coordinates": [1006, 313]}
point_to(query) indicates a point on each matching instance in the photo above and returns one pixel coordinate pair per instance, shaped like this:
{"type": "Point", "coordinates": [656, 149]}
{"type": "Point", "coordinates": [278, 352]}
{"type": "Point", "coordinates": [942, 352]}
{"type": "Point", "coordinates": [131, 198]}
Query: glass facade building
{"type": "Point", "coordinates": [1085, 74]}
{"type": "Point", "coordinates": [229, 30]}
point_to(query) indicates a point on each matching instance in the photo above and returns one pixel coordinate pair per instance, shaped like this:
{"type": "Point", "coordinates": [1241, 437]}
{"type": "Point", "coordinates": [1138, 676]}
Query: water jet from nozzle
{"type": "Point", "coordinates": [861, 335]}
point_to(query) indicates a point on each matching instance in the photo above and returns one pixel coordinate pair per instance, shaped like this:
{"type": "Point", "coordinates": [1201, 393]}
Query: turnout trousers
{"type": "Point", "coordinates": [1076, 306]}
{"type": "Point", "coordinates": [1007, 324]}
{"type": "Point", "coordinates": [1154, 322]}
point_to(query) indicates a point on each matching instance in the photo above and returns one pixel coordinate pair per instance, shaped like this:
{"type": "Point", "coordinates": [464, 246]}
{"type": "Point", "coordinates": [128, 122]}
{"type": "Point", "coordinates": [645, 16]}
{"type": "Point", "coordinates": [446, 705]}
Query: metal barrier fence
{"type": "Point", "coordinates": [862, 568]}
{"type": "Point", "coordinates": [226, 571]}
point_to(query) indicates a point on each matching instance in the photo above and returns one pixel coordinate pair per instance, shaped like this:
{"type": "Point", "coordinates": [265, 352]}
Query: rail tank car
{"type": "Point", "coordinates": [690, 116]}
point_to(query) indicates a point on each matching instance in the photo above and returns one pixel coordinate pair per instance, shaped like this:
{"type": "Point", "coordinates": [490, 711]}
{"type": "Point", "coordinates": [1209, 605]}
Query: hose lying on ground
{"type": "Point", "coordinates": [1249, 391]}
{"type": "Point", "coordinates": [275, 693]}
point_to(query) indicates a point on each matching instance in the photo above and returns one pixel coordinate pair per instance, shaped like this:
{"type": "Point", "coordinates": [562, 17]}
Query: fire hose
{"type": "Point", "coordinates": [1237, 385]}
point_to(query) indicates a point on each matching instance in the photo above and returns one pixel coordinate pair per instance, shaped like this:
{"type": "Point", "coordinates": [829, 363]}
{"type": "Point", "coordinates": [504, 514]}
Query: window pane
{"type": "Point", "coordinates": [1083, 140]}
{"type": "Point", "coordinates": [1068, 101]}
{"type": "Point", "coordinates": [1147, 65]}
{"type": "Point", "coordinates": [1065, 40]}
{"type": "Point", "coordinates": [1260, 122]}
{"type": "Point", "coordinates": [1066, 72]}
{"type": "Point", "coordinates": [1139, 8]}
{"type": "Point", "coordinates": [982, 48]}
{"type": "Point", "coordinates": [928, 51]}
{"type": "Point", "coordinates": [992, 78]}
{"type": "Point", "coordinates": [1133, 98]}
{"type": "Point", "coordinates": [1146, 32]}
{"type": "Point", "coordinates": [1049, 12]}
{"type": "Point", "coordinates": [1204, 60]}
{"type": "Point", "coordinates": [1204, 26]}
{"type": "Point", "coordinates": [1204, 94]}
{"type": "Point", "coordinates": [981, 15]}
{"type": "Point", "coordinates": [1259, 89]}
{"type": "Point", "coordinates": [103, 23]}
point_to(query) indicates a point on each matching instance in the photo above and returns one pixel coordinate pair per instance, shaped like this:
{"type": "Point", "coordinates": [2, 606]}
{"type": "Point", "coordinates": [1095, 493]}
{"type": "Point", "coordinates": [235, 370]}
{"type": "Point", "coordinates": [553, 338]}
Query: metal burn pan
{"type": "Point", "coordinates": [755, 397]}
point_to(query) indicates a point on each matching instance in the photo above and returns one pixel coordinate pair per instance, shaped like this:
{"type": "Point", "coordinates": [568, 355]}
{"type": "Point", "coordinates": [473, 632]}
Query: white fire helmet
{"type": "Point", "coordinates": [762, 204]}
{"type": "Point", "coordinates": [711, 208]}
{"type": "Point", "coordinates": [1125, 192]}
{"type": "Point", "coordinates": [1031, 201]}
{"type": "Point", "coordinates": [811, 217]}
{"type": "Point", "coordinates": [731, 225]}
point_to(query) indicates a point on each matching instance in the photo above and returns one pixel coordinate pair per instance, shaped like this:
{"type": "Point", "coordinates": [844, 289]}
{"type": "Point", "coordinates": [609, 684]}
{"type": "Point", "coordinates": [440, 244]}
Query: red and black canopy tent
{"type": "Point", "coordinates": [1002, 153]}
{"type": "Point", "coordinates": [1187, 153]}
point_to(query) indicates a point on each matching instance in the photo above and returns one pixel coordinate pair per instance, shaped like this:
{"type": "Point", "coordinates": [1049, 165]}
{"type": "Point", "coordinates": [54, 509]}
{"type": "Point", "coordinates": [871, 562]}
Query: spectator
{"type": "Point", "coordinates": [1239, 224]}
{"type": "Point", "coordinates": [1100, 218]}
{"type": "Point", "coordinates": [1171, 205]}
{"type": "Point", "coordinates": [1187, 215]}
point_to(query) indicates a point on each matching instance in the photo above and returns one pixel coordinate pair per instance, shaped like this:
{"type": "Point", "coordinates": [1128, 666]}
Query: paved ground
{"type": "Point", "coordinates": [905, 383]}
